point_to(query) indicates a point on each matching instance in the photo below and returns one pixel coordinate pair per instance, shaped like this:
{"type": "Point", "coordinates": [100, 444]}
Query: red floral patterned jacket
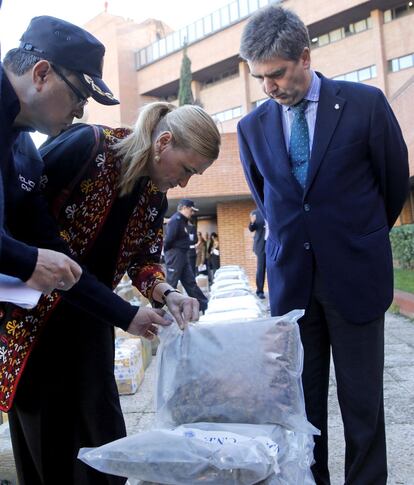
{"type": "Point", "coordinates": [81, 211]}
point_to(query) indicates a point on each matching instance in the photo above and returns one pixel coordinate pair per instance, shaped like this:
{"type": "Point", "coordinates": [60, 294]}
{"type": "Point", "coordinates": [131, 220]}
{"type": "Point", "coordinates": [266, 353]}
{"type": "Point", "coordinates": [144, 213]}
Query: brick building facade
{"type": "Point", "coordinates": [365, 41]}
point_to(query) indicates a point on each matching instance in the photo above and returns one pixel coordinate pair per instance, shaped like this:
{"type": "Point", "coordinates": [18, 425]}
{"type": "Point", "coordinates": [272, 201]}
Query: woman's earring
{"type": "Point", "coordinates": [157, 158]}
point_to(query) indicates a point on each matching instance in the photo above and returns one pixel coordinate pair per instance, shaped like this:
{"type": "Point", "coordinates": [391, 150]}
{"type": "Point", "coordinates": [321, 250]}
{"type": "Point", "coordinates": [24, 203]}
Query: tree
{"type": "Point", "coordinates": [185, 95]}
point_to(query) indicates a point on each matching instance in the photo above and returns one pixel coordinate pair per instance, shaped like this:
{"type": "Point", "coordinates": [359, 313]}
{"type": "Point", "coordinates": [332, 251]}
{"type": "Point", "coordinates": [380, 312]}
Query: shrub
{"type": "Point", "coordinates": [402, 241]}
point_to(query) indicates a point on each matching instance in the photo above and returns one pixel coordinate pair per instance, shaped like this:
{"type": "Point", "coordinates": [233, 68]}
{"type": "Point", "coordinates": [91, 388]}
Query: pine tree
{"type": "Point", "coordinates": [185, 95]}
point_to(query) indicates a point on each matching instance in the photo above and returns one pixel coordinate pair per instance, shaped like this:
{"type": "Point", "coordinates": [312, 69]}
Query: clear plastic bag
{"type": "Point", "coordinates": [207, 453]}
{"type": "Point", "coordinates": [237, 372]}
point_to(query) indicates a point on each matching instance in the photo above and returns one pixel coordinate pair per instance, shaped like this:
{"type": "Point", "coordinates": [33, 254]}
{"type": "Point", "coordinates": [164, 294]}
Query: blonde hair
{"type": "Point", "coordinates": [191, 128]}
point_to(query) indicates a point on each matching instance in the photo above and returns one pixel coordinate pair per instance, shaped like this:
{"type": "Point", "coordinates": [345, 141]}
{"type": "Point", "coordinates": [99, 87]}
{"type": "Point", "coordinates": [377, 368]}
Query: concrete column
{"type": "Point", "coordinates": [377, 18]}
{"type": "Point", "coordinates": [196, 88]}
{"type": "Point", "coordinates": [244, 79]}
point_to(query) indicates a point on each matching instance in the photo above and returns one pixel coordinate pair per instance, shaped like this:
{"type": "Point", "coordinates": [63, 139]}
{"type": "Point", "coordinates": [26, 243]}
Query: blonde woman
{"type": "Point", "coordinates": [107, 189]}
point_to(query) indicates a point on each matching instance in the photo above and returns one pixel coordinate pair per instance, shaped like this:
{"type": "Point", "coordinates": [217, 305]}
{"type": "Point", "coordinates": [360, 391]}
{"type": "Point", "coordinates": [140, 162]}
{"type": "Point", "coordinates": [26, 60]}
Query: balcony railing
{"type": "Point", "coordinates": [219, 19]}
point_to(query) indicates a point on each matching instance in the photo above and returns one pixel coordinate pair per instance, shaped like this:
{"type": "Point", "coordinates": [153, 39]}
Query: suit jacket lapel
{"type": "Point", "coordinates": [272, 125]}
{"type": "Point", "coordinates": [330, 108]}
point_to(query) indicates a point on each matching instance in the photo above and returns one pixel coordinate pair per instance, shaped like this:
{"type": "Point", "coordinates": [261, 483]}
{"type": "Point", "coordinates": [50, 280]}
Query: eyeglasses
{"type": "Point", "coordinates": [82, 100]}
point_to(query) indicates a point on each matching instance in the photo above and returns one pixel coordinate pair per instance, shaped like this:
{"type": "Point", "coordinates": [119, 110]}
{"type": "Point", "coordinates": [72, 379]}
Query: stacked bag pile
{"type": "Point", "coordinates": [229, 401]}
{"type": "Point", "coordinates": [231, 297]}
{"type": "Point", "coordinates": [132, 354]}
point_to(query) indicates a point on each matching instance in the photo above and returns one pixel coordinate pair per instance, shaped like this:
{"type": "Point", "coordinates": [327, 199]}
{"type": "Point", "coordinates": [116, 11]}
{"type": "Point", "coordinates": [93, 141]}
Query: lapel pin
{"type": "Point", "coordinates": [336, 106]}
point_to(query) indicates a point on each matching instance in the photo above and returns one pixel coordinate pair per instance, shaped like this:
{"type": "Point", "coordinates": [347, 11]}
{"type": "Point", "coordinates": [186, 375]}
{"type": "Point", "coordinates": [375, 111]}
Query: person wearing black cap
{"type": "Point", "coordinates": [44, 84]}
{"type": "Point", "coordinates": [176, 247]}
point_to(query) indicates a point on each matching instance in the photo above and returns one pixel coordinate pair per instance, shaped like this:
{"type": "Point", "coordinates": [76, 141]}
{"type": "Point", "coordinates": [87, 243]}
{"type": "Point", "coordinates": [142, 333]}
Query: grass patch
{"type": "Point", "coordinates": [404, 279]}
{"type": "Point", "coordinates": [394, 308]}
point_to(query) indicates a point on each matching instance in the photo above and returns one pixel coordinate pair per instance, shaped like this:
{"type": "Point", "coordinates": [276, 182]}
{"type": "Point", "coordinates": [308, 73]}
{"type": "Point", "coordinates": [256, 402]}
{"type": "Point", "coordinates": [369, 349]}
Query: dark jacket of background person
{"type": "Point", "coordinates": [71, 367]}
{"type": "Point", "coordinates": [192, 254]}
{"type": "Point", "coordinates": [213, 254]}
{"type": "Point", "coordinates": [176, 234]}
{"type": "Point", "coordinates": [259, 229]}
{"type": "Point", "coordinates": [176, 247]}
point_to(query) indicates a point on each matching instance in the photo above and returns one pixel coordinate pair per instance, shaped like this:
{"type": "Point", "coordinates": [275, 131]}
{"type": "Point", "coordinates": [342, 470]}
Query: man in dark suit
{"type": "Point", "coordinates": [258, 226]}
{"type": "Point", "coordinates": [327, 165]}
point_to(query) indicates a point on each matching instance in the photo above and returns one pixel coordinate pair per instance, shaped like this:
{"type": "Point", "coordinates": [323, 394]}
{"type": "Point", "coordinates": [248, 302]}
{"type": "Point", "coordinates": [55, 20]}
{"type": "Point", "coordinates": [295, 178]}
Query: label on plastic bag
{"type": "Point", "coordinates": [227, 437]}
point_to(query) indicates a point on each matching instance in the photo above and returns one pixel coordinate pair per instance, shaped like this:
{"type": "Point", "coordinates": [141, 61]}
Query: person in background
{"type": "Point", "coordinates": [192, 254]}
{"type": "Point", "coordinates": [213, 255]}
{"type": "Point", "coordinates": [258, 226]}
{"type": "Point", "coordinates": [111, 216]}
{"type": "Point", "coordinates": [201, 250]}
{"type": "Point", "coordinates": [327, 165]}
{"type": "Point", "coordinates": [176, 247]}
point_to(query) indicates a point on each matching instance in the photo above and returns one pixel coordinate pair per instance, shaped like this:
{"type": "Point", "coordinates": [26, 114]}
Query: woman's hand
{"type": "Point", "coordinates": [183, 308]}
{"type": "Point", "coordinates": [145, 322]}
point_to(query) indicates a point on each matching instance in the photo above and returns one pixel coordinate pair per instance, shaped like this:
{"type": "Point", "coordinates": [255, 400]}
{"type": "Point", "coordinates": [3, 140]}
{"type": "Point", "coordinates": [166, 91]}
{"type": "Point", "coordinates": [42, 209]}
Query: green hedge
{"type": "Point", "coordinates": [402, 241]}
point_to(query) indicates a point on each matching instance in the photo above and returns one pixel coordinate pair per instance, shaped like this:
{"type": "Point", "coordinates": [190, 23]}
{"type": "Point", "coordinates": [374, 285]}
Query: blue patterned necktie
{"type": "Point", "coordinates": [299, 143]}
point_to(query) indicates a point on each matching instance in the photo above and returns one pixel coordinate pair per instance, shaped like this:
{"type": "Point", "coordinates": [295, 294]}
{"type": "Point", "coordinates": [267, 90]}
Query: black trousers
{"type": "Point", "coordinates": [260, 271]}
{"type": "Point", "coordinates": [358, 356]}
{"type": "Point", "coordinates": [178, 269]}
{"type": "Point", "coordinates": [67, 399]}
{"type": "Point", "coordinates": [192, 257]}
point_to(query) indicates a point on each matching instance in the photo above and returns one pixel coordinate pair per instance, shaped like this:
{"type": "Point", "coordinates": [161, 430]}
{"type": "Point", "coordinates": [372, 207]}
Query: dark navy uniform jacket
{"type": "Point", "coordinates": [29, 224]}
{"type": "Point", "coordinates": [177, 233]}
{"type": "Point", "coordinates": [16, 259]}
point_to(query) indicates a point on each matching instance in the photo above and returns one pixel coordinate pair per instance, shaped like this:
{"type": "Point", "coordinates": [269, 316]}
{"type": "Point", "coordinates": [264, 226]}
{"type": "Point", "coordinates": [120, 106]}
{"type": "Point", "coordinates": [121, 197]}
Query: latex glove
{"type": "Point", "coordinates": [145, 322]}
{"type": "Point", "coordinates": [183, 308]}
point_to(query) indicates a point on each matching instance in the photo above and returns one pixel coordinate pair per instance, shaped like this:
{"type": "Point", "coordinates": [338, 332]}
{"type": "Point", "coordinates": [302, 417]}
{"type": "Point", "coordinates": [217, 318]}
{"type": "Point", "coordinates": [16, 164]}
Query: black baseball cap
{"type": "Point", "coordinates": [71, 47]}
{"type": "Point", "coordinates": [188, 203]}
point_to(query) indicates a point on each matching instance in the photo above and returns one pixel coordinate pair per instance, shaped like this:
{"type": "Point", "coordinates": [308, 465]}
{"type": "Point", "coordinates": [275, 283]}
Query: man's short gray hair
{"type": "Point", "coordinates": [274, 32]}
{"type": "Point", "coordinates": [19, 62]}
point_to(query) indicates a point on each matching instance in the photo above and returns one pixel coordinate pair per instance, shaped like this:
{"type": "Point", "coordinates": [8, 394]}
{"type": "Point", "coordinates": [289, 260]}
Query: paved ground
{"type": "Point", "coordinates": [399, 409]}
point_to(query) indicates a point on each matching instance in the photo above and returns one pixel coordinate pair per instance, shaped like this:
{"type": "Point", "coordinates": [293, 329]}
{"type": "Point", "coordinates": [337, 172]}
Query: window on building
{"type": "Point", "coordinates": [234, 11]}
{"type": "Point", "coordinates": [225, 16]}
{"type": "Point", "coordinates": [399, 11]}
{"type": "Point", "coordinates": [244, 8]}
{"type": "Point", "coordinates": [216, 20]}
{"type": "Point", "coordinates": [228, 114]}
{"type": "Point", "coordinates": [358, 76]}
{"type": "Point", "coordinates": [208, 24]}
{"type": "Point", "coordinates": [223, 76]}
{"type": "Point", "coordinates": [253, 5]}
{"type": "Point", "coordinates": [399, 63]}
{"type": "Point", "coordinates": [341, 32]}
{"type": "Point", "coordinates": [191, 33]}
{"type": "Point", "coordinates": [162, 47]}
{"type": "Point", "coordinates": [336, 35]}
{"type": "Point", "coordinates": [199, 29]}
{"type": "Point", "coordinates": [259, 102]}
{"type": "Point", "coordinates": [170, 43]}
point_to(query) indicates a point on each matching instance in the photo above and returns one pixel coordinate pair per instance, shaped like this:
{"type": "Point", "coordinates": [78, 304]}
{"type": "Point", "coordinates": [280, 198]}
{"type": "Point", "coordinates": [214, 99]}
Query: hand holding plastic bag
{"type": "Point", "coordinates": [233, 372]}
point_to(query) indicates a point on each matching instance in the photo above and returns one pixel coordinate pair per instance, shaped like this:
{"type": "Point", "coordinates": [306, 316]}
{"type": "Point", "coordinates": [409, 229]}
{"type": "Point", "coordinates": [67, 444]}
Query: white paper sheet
{"type": "Point", "coordinates": [15, 291]}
